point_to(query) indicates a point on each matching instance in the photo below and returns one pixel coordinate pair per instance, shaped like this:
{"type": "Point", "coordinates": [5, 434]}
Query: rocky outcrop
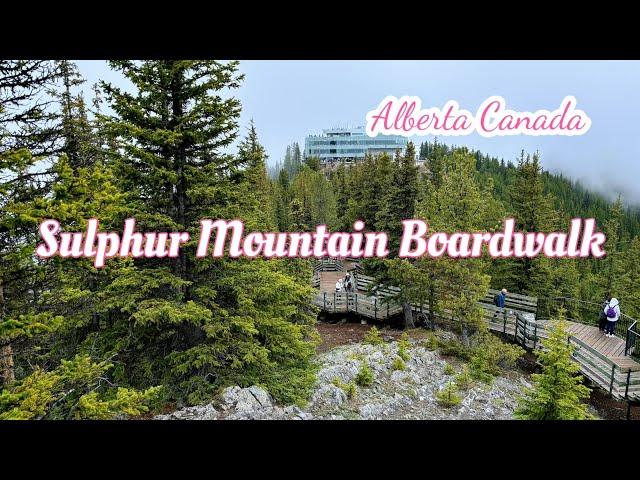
{"type": "Point", "coordinates": [393, 394]}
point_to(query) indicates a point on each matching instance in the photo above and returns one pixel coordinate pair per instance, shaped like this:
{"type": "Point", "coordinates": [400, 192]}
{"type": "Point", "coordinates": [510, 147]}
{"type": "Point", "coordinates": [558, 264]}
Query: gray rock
{"type": "Point", "coordinates": [199, 412]}
{"type": "Point", "coordinates": [246, 399]}
{"type": "Point", "coordinates": [328, 395]}
{"type": "Point", "coordinates": [407, 394]}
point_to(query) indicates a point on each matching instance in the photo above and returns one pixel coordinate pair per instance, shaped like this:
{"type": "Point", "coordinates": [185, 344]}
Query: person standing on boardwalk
{"type": "Point", "coordinates": [612, 311]}
{"type": "Point", "coordinates": [602, 319]}
{"type": "Point", "coordinates": [499, 301]}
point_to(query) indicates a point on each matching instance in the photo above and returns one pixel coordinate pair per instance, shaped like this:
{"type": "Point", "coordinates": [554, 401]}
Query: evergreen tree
{"type": "Point", "coordinates": [399, 200]}
{"type": "Point", "coordinates": [287, 162]}
{"type": "Point", "coordinates": [611, 268]}
{"type": "Point", "coordinates": [198, 326]}
{"type": "Point", "coordinates": [451, 287]}
{"type": "Point", "coordinates": [315, 195]}
{"type": "Point", "coordinates": [557, 392]}
{"type": "Point", "coordinates": [260, 198]}
{"type": "Point", "coordinates": [282, 200]}
{"type": "Point", "coordinates": [296, 158]}
{"type": "Point", "coordinates": [533, 212]}
{"type": "Point", "coordinates": [30, 135]}
{"type": "Point", "coordinates": [627, 283]}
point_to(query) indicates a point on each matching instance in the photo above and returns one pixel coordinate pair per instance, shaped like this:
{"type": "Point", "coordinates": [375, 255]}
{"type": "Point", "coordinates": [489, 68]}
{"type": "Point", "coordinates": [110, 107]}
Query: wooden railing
{"type": "Point", "coordinates": [619, 377]}
{"type": "Point", "coordinates": [328, 265]}
{"type": "Point", "coordinates": [631, 340]}
{"type": "Point", "coordinates": [581, 311]}
{"type": "Point", "coordinates": [359, 303]}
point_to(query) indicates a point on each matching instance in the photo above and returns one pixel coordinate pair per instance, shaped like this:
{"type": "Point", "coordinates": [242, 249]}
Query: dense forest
{"type": "Point", "coordinates": [141, 334]}
{"type": "Point", "coordinates": [455, 189]}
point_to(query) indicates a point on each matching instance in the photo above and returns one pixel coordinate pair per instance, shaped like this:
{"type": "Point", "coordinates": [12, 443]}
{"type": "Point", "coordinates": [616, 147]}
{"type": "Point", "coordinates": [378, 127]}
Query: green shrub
{"type": "Point", "coordinates": [430, 343]}
{"type": "Point", "coordinates": [373, 337]}
{"type": "Point", "coordinates": [349, 388]}
{"type": "Point", "coordinates": [398, 364]}
{"type": "Point", "coordinates": [454, 348]}
{"type": "Point", "coordinates": [403, 347]}
{"type": "Point", "coordinates": [448, 396]}
{"type": "Point", "coordinates": [73, 390]}
{"type": "Point", "coordinates": [463, 379]}
{"type": "Point", "coordinates": [491, 357]}
{"type": "Point", "coordinates": [449, 370]}
{"type": "Point", "coordinates": [558, 392]}
{"type": "Point", "coordinates": [364, 378]}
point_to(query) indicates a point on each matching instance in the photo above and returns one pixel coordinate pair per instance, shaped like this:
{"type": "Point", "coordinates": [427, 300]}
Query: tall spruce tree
{"type": "Point", "coordinates": [399, 199]}
{"type": "Point", "coordinates": [254, 160]}
{"type": "Point", "coordinates": [533, 211]}
{"type": "Point", "coordinates": [451, 287]}
{"type": "Point", "coordinates": [197, 326]}
{"type": "Point", "coordinates": [627, 285]}
{"type": "Point", "coordinates": [30, 137]}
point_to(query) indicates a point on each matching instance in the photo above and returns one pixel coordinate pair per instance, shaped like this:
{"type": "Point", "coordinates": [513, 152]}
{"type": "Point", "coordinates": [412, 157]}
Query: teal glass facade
{"type": "Point", "coordinates": [350, 144]}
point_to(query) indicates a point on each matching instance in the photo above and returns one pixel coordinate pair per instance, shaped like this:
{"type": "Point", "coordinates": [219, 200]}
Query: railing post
{"type": "Point", "coordinates": [375, 308]}
{"type": "Point", "coordinates": [334, 302]}
{"type": "Point", "coordinates": [356, 301]}
{"type": "Point", "coordinates": [325, 301]}
{"type": "Point", "coordinates": [504, 326]}
{"type": "Point", "coordinates": [613, 373]}
{"type": "Point", "coordinates": [626, 388]}
{"type": "Point", "coordinates": [535, 335]}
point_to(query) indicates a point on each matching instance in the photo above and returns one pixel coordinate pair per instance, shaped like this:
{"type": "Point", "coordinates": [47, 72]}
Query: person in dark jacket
{"type": "Point", "coordinates": [502, 297]}
{"type": "Point", "coordinates": [602, 319]}
{"type": "Point", "coordinates": [499, 301]}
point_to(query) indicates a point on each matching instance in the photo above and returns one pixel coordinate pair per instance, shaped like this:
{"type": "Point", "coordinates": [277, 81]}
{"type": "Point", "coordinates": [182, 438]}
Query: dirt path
{"type": "Point", "coordinates": [334, 335]}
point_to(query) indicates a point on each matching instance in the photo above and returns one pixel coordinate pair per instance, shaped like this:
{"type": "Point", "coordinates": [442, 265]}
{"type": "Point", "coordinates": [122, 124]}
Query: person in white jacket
{"type": "Point", "coordinates": [612, 312]}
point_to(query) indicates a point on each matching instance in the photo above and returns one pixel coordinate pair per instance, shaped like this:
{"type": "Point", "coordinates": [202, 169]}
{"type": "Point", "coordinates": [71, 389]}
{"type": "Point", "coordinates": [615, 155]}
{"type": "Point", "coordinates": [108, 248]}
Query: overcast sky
{"type": "Point", "coordinates": [290, 99]}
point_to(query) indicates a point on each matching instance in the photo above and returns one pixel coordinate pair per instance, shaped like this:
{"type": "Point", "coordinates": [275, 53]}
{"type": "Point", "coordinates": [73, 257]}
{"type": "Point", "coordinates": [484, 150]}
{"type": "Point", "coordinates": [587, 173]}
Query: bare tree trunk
{"type": "Point", "coordinates": [408, 315]}
{"type": "Point", "coordinates": [6, 364]}
{"type": "Point", "coordinates": [6, 351]}
{"type": "Point", "coordinates": [464, 333]}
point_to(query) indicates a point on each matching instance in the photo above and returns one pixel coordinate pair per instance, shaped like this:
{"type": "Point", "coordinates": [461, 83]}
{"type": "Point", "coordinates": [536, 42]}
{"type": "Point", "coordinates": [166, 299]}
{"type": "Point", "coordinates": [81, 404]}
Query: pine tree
{"type": "Point", "coordinates": [282, 200]}
{"type": "Point", "coordinates": [79, 145]}
{"type": "Point", "coordinates": [316, 198]}
{"type": "Point", "coordinates": [296, 158]}
{"type": "Point", "coordinates": [287, 162]}
{"type": "Point", "coordinates": [450, 286]}
{"type": "Point", "coordinates": [198, 325]}
{"type": "Point", "coordinates": [627, 283]}
{"type": "Point", "coordinates": [30, 135]}
{"type": "Point", "coordinates": [399, 199]}
{"type": "Point", "coordinates": [260, 198]}
{"type": "Point", "coordinates": [612, 262]}
{"type": "Point", "coordinates": [29, 118]}
{"type": "Point", "coordinates": [533, 212]}
{"type": "Point", "coordinates": [557, 392]}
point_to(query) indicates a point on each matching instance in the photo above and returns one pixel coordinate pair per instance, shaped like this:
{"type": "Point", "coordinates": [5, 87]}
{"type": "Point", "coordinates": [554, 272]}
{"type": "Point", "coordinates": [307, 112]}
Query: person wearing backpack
{"type": "Point", "coordinates": [612, 311]}
{"type": "Point", "coordinates": [499, 301]}
{"type": "Point", "coordinates": [602, 319]}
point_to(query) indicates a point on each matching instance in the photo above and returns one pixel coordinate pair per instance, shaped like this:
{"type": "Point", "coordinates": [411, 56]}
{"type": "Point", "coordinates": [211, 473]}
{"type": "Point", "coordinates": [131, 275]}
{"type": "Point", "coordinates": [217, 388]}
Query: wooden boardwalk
{"type": "Point", "coordinates": [592, 336]}
{"type": "Point", "coordinates": [602, 359]}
